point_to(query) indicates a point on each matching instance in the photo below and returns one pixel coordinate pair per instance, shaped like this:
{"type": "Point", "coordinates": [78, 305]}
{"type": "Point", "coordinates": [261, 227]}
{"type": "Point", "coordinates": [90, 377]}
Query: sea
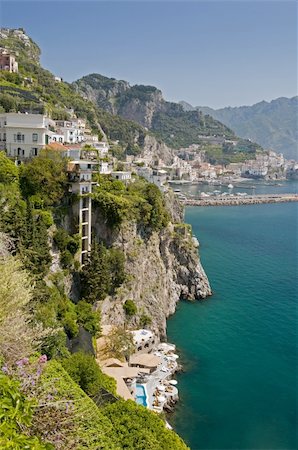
{"type": "Point", "coordinates": [238, 348]}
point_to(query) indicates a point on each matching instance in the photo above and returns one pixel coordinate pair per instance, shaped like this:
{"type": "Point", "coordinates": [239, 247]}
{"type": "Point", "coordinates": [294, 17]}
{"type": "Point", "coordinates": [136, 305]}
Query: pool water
{"type": "Point", "coordinates": [141, 397]}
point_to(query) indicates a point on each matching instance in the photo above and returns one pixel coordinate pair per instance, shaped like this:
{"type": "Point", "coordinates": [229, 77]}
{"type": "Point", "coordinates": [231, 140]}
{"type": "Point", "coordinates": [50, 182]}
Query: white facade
{"type": "Point", "coordinates": [23, 135]}
{"type": "Point", "coordinates": [122, 176]}
{"type": "Point", "coordinates": [104, 168]}
{"type": "Point", "coordinates": [72, 130]}
{"type": "Point", "coordinates": [56, 137]}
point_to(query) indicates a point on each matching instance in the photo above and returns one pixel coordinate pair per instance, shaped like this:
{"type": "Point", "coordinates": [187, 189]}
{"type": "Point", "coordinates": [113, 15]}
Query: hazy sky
{"type": "Point", "coordinates": [214, 53]}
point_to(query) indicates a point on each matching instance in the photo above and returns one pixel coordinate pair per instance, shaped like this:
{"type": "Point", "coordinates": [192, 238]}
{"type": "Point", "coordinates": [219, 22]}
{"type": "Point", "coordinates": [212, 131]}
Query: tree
{"type": "Point", "coordinates": [95, 275]}
{"type": "Point", "coordinates": [119, 344]}
{"type": "Point", "coordinates": [9, 172]}
{"type": "Point", "coordinates": [34, 246]}
{"type": "Point", "coordinates": [45, 175]}
{"type": "Point", "coordinates": [116, 262]}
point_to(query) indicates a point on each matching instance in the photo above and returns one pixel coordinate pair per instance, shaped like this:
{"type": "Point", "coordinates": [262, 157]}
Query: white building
{"type": "Point", "coordinates": [104, 168]}
{"type": "Point", "coordinates": [122, 176]}
{"type": "Point", "coordinates": [72, 130]}
{"type": "Point", "coordinates": [23, 135]}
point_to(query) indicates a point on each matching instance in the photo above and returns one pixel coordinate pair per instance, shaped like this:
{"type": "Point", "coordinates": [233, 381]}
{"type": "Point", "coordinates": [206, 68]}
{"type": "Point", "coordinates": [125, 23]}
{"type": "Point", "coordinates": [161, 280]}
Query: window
{"type": "Point", "coordinates": [34, 137]}
{"type": "Point", "coordinates": [21, 152]}
{"type": "Point", "coordinates": [34, 151]}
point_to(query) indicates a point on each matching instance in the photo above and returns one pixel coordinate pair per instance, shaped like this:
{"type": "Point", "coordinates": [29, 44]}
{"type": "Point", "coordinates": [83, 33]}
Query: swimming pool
{"type": "Point", "coordinates": [141, 397]}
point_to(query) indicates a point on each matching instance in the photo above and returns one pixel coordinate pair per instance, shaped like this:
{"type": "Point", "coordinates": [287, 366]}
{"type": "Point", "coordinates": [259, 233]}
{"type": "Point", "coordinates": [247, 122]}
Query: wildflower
{"type": "Point", "coordinates": [4, 369]}
{"type": "Point", "coordinates": [22, 362]}
{"type": "Point", "coordinates": [43, 359]}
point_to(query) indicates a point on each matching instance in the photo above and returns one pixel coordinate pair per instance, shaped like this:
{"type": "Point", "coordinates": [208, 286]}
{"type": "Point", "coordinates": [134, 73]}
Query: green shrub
{"type": "Point", "coordinates": [66, 259]}
{"type": "Point", "coordinates": [46, 217]}
{"type": "Point", "coordinates": [16, 412]}
{"type": "Point", "coordinates": [145, 320]}
{"type": "Point", "coordinates": [85, 371]}
{"type": "Point", "coordinates": [70, 325]}
{"type": "Point", "coordinates": [61, 238]}
{"type": "Point", "coordinates": [135, 427]}
{"type": "Point", "coordinates": [88, 318]}
{"type": "Point", "coordinates": [130, 308]}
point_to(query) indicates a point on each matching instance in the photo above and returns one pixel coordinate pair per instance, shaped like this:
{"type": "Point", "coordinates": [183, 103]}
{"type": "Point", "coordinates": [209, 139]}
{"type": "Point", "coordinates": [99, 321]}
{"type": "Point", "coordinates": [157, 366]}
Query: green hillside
{"type": "Point", "coordinates": [272, 124]}
{"type": "Point", "coordinates": [145, 105]}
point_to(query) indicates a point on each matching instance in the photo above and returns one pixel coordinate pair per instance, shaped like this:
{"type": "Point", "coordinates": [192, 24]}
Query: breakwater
{"type": "Point", "coordinates": [241, 200]}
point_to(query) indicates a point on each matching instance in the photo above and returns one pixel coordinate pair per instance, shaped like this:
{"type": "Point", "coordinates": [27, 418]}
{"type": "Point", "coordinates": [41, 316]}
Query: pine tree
{"type": "Point", "coordinates": [95, 276]}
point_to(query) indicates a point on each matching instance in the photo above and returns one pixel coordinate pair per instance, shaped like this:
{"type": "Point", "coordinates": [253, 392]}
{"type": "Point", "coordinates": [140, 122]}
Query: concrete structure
{"type": "Point", "coordinates": [144, 340]}
{"type": "Point", "coordinates": [8, 61]}
{"type": "Point", "coordinates": [80, 176]}
{"type": "Point", "coordinates": [122, 176]}
{"type": "Point", "coordinates": [23, 135]}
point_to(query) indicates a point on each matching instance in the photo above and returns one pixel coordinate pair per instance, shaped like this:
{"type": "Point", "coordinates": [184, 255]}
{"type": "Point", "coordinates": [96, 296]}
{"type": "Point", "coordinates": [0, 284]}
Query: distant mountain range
{"type": "Point", "coordinates": [271, 124]}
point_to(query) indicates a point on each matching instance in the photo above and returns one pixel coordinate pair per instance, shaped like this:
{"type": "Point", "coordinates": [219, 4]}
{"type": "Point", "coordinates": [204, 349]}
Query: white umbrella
{"type": "Point", "coordinates": [161, 388]}
{"type": "Point", "coordinates": [161, 398]}
{"type": "Point", "coordinates": [173, 382]}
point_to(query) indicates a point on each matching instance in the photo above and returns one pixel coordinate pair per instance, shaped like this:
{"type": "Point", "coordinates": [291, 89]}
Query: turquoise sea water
{"type": "Point", "coordinates": [238, 390]}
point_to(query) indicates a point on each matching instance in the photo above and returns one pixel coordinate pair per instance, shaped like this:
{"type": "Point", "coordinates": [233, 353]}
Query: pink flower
{"type": "Point", "coordinates": [43, 359]}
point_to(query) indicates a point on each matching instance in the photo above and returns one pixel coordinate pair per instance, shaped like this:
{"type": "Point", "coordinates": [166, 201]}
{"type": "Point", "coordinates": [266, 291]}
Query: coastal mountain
{"type": "Point", "coordinates": [272, 124]}
{"type": "Point", "coordinates": [135, 119]}
{"type": "Point", "coordinates": [142, 261]}
{"type": "Point", "coordinates": [145, 105]}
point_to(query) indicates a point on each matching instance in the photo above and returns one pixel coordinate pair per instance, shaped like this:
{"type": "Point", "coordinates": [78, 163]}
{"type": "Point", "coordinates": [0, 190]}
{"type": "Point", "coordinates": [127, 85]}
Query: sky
{"type": "Point", "coordinates": [208, 53]}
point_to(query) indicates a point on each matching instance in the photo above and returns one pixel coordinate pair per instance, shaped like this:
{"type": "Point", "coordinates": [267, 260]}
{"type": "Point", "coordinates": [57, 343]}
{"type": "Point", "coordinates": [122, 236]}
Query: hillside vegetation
{"type": "Point", "coordinates": [50, 398]}
{"type": "Point", "coordinates": [272, 124]}
{"type": "Point", "coordinates": [145, 105]}
{"type": "Point", "coordinates": [126, 114]}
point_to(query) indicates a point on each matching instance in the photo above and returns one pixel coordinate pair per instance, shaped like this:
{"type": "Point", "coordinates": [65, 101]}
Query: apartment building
{"type": "Point", "coordinates": [72, 130]}
{"type": "Point", "coordinates": [23, 135]}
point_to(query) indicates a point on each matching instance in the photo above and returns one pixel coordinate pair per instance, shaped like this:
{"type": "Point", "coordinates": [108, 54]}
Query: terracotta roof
{"type": "Point", "coordinates": [112, 362]}
{"type": "Point", "coordinates": [123, 372]}
{"type": "Point", "coordinates": [119, 373]}
{"type": "Point", "coordinates": [122, 389]}
{"type": "Point", "coordinates": [145, 359]}
{"type": "Point", "coordinates": [56, 146]}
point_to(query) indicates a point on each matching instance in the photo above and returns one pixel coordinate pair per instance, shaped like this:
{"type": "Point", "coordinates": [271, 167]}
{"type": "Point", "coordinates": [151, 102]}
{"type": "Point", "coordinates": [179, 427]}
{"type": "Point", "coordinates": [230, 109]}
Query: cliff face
{"type": "Point", "coordinates": [146, 106]}
{"type": "Point", "coordinates": [161, 268]}
{"type": "Point", "coordinates": [153, 150]}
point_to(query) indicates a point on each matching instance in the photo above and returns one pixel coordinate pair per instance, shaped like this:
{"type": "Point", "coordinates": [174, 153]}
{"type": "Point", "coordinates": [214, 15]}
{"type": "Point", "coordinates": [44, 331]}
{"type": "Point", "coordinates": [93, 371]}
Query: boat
{"type": "Point", "coordinates": [230, 186]}
{"type": "Point", "coordinates": [203, 194]}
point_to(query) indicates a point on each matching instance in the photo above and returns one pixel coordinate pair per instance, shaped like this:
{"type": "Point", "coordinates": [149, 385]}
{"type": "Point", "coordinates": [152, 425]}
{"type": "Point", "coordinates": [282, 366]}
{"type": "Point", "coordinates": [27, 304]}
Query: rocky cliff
{"type": "Point", "coordinates": [146, 106]}
{"type": "Point", "coordinates": [161, 268]}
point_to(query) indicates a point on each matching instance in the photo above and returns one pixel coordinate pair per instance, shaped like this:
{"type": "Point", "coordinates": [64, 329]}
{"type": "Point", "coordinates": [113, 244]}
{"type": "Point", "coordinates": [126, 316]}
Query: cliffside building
{"type": "Point", "coordinates": [8, 61]}
{"type": "Point", "coordinates": [23, 135]}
